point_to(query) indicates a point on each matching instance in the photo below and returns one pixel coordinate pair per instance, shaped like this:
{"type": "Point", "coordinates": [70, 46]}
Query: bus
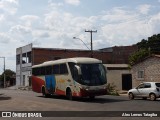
{"type": "Point", "coordinates": [72, 77]}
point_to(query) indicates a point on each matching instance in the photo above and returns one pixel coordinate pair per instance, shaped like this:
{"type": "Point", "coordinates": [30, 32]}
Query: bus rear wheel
{"type": "Point", "coordinates": [44, 93]}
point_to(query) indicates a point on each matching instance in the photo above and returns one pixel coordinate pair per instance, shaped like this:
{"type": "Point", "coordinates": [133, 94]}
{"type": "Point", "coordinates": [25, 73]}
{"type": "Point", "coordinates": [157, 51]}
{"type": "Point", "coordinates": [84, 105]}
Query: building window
{"type": "Point", "coordinates": [141, 74]}
{"type": "Point", "coordinates": [24, 59]}
{"type": "Point", "coordinates": [18, 59]}
{"type": "Point", "coordinates": [29, 60]}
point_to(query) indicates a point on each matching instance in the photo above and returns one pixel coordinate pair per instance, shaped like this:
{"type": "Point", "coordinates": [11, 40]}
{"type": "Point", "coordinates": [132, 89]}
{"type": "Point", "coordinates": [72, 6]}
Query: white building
{"type": "Point", "coordinates": [23, 65]}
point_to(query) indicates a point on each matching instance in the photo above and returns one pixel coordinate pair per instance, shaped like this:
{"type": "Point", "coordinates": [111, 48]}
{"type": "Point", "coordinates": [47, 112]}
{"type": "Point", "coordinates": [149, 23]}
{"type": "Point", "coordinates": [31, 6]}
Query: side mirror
{"type": "Point", "coordinates": [78, 69]}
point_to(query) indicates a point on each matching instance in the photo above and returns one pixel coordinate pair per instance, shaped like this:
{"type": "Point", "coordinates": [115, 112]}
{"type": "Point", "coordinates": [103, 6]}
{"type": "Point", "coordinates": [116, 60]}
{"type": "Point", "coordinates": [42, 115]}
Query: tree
{"type": "Point", "coordinates": [138, 56]}
{"type": "Point", "coordinates": [153, 43]}
{"type": "Point", "coordinates": [146, 48]}
{"type": "Point", "coordinates": [9, 77]}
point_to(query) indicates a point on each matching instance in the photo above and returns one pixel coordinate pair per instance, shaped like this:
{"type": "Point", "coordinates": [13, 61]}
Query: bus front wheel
{"type": "Point", "coordinates": [69, 94]}
{"type": "Point", "coordinates": [91, 97]}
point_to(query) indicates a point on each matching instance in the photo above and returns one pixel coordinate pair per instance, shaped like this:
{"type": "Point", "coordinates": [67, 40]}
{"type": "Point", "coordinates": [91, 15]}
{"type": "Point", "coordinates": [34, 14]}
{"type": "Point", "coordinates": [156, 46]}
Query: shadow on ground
{"type": "Point", "coordinates": [2, 97]}
{"type": "Point", "coordinates": [100, 100]}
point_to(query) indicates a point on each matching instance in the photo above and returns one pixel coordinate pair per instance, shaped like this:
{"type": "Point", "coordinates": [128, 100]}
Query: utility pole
{"type": "Point", "coordinates": [4, 74]}
{"type": "Point", "coordinates": [4, 81]}
{"type": "Point", "coordinates": [91, 31]}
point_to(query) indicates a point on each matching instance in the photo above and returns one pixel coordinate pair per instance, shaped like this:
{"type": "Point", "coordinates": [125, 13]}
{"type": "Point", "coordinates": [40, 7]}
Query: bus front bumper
{"type": "Point", "coordinates": [86, 93]}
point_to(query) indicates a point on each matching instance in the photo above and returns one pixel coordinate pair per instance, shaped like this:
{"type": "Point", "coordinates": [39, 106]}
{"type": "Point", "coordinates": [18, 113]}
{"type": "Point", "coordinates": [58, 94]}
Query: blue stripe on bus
{"type": "Point", "coordinates": [50, 82]}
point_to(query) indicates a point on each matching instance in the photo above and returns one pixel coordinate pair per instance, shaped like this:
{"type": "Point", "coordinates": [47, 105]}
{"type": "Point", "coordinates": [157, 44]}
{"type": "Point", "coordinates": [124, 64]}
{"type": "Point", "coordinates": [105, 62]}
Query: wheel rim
{"type": "Point", "coordinates": [152, 97]}
{"type": "Point", "coordinates": [130, 96]}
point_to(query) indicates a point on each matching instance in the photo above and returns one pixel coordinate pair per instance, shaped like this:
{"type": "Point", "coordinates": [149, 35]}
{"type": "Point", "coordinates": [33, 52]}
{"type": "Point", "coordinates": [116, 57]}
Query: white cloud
{"type": "Point", "coordinates": [153, 23]}
{"type": "Point", "coordinates": [73, 2]}
{"type": "Point", "coordinates": [4, 38]}
{"type": "Point", "coordinates": [2, 18]}
{"type": "Point", "coordinates": [118, 15]}
{"type": "Point", "coordinates": [21, 34]}
{"type": "Point", "coordinates": [9, 6]}
{"type": "Point", "coordinates": [118, 26]}
{"type": "Point", "coordinates": [19, 29]}
{"type": "Point", "coordinates": [55, 6]}
{"type": "Point", "coordinates": [144, 9]}
{"type": "Point", "coordinates": [62, 27]}
{"type": "Point", "coordinates": [29, 19]}
{"type": "Point", "coordinates": [40, 34]}
{"type": "Point", "coordinates": [124, 27]}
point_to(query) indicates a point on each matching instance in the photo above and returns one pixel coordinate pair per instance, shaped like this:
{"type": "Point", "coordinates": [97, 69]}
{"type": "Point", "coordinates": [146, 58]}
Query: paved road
{"type": "Point", "coordinates": [18, 100]}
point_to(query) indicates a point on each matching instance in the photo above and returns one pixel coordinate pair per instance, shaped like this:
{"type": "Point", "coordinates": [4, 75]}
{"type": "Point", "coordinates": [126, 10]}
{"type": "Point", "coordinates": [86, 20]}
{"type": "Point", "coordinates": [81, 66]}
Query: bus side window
{"type": "Point", "coordinates": [63, 69]}
{"type": "Point", "coordinates": [33, 71]}
{"type": "Point", "coordinates": [48, 70]}
{"type": "Point", "coordinates": [56, 69]}
{"type": "Point", "coordinates": [43, 71]}
{"type": "Point", "coordinates": [36, 71]}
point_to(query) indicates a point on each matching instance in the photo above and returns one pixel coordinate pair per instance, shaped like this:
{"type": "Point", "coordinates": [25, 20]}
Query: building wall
{"type": "Point", "coordinates": [115, 77]}
{"type": "Point", "coordinates": [40, 55]}
{"type": "Point", "coordinates": [115, 73]}
{"type": "Point", "coordinates": [120, 54]}
{"type": "Point", "coordinates": [151, 69]}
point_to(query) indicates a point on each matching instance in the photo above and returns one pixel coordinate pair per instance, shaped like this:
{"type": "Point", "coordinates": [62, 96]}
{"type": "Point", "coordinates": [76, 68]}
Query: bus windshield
{"type": "Point", "coordinates": [93, 74]}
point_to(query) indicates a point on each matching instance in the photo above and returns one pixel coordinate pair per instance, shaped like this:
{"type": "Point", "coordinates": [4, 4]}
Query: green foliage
{"type": "Point", "coordinates": [153, 43]}
{"type": "Point", "coordinates": [146, 48]}
{"type": "Point", "coordinates": [8, 75]}
{"type": "Point", "coordinates": [111, 88]}
{"type": "Point", "coordinates": [138, 56]}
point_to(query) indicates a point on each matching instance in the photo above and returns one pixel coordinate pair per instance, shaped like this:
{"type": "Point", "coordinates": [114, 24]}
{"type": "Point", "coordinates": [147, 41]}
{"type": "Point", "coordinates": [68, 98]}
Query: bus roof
{"type": "Point", "coordinates": [75, 60]}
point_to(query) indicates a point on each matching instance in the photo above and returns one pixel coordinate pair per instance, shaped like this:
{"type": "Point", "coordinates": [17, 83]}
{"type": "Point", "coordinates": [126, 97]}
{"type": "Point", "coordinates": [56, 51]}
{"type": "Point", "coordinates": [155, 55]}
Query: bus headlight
{"type": "Point", "coordinates": [84, 88]}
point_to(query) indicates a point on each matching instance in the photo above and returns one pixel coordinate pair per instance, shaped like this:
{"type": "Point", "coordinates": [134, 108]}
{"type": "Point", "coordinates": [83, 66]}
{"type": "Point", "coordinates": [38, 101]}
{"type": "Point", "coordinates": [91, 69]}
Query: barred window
{"type": "Point", "coordinates": [141, 74]}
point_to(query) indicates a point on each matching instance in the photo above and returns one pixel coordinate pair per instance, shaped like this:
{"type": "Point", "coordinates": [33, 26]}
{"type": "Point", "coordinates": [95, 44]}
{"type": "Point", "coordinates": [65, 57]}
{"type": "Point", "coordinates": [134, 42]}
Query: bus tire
{"type": "Point", "coordinates": [44, 93]}
{"type": "Point", "coordinates": [91, 97]}
{"type": "Point", "coordinates": [69, 94]}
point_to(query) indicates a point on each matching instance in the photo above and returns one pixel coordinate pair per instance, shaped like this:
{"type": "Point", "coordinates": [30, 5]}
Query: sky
{"type": "Point", "coordinates": [54, 23]}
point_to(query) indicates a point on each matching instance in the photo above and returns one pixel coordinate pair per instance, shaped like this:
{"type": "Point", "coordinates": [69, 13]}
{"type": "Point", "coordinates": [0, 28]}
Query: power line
{"type": "Point", "coordinates": [91, 31]}
{"type": "Point", "coordinates": [82, 41]}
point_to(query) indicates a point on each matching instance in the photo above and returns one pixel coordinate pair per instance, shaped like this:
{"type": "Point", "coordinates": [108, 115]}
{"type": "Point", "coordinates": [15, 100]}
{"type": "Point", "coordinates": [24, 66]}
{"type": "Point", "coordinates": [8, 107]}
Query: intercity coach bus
{"type": "Point", "coordinates": [72, 77]}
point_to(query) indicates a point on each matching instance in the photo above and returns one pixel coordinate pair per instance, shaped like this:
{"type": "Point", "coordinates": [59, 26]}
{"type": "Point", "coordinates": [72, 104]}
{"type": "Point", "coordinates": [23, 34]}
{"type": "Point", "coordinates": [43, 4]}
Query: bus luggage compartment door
{"type": "Point", "coordinates": [50, 83]}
